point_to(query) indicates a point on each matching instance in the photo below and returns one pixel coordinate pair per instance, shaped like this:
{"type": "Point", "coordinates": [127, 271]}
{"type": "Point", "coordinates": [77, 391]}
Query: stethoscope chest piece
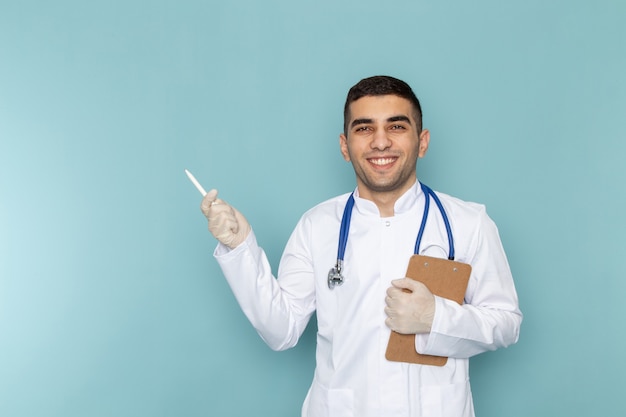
{"type": "Point", "coordinates": [334, 277]}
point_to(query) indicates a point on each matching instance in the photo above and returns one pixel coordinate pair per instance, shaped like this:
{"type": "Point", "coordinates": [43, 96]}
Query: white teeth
{"type": "Point", "coordinates": [382, 161]}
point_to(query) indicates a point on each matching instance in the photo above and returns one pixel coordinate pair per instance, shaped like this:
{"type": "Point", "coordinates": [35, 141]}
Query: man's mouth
{"type": "Point", "coordinates": [382, 161]}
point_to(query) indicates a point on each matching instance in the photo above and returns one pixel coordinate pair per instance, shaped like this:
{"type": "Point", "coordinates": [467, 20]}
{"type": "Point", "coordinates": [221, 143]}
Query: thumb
{"type": "Point", "coordinates": [405, 284]}
{"type": "Point", "coordinates": [208, 199]}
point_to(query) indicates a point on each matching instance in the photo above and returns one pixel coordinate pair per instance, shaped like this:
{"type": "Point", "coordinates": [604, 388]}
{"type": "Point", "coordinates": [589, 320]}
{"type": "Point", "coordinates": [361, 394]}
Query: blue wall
{"type": "Point", "coordinates": [110, 301]}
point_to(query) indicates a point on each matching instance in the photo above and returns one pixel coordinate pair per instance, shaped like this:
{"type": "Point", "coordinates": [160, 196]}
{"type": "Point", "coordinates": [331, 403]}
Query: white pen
{"type": "Point", "coordinates": [196, 183]}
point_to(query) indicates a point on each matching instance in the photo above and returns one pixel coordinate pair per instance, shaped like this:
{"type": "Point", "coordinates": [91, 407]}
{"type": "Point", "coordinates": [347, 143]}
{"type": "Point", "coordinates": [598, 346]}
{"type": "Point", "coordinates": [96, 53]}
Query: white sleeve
{"type": "Point", "coordinates": [490, 318]}
{"type": "Point", "coordinates": [278, 314]}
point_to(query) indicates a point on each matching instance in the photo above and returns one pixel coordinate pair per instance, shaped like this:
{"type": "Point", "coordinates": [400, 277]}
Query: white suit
{"type": "Point", "coordinates": [352, 376]}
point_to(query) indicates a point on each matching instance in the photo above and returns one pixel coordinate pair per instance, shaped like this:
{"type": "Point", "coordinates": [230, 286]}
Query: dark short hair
{"type": "Point", "coordinates": [381, 85]}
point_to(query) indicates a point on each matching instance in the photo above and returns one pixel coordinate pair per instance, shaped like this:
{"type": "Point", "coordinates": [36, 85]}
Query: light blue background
{"type": "Point", "coordinates": [110, 301]}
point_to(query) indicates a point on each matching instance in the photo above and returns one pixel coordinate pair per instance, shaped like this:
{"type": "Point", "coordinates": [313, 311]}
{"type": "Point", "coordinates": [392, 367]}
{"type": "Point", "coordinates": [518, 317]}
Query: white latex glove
{"type": "Point", "coordinates": [225, 222]}
{"type": "Point", "coordinates": [411, 311]}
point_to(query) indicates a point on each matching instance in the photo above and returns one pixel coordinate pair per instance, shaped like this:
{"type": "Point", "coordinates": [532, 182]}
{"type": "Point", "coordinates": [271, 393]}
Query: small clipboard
{"type": "Point", "coordinates": [443, 278]}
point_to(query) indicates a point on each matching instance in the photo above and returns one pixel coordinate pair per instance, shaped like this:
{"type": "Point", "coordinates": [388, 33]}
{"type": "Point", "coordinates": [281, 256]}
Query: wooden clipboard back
{"type": "Point", "coordinates": [444, 278]}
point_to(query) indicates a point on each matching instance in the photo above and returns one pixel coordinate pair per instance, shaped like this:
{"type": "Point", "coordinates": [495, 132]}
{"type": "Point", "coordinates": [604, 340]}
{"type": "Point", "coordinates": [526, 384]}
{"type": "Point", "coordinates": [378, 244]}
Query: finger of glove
{"type": "Point", "coordinates": [405, 283]}
{"type": "Point", "coordinates": [392, 302]}
{"type": "Point", "coordinates": [244, 226]}
{"type": "Point", "coordinates": [222, 216]}
{"type": "Point", "coordinates": [396, 325]}
{"type": "Point", "coordinates": [207, 201]}
{"type": "Point", "coordinates": [390, 312]}
{"type": "Point", "coordinates": [223, 229]}
{"type": "Point", "coordinates": [394, 292]}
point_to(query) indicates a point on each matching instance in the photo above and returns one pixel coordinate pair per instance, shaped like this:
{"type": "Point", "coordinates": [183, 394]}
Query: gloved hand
{"type": "Point", "coordinates": [412, 311]}
{"type": "Point", "coordinates": [225, 223]}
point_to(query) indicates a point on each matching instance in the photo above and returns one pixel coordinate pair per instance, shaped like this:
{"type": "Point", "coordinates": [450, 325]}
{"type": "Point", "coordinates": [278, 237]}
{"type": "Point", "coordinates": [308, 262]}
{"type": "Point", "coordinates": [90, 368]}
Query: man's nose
{"type": "Point", "coordinates": [380, 140]}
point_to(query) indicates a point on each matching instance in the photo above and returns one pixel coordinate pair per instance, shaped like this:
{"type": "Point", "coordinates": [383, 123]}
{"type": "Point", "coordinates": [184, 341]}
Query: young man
{"type": "Point", "coordinates": [358, 306]}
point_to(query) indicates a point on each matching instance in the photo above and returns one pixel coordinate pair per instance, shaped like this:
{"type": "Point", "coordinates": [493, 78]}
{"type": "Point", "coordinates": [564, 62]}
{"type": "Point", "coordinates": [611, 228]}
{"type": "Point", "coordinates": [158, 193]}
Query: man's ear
{"type": "Point", "coordinates": [424, 140]}
{"type": "Point", "coordinates": [343, 145]}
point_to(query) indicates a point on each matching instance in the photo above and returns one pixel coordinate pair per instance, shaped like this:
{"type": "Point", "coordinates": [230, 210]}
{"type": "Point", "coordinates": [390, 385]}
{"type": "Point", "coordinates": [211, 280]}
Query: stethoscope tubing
{"type": "Point", "coordinates": [345, 229]}
{"type": "Point", "coordinates": [429, 192]}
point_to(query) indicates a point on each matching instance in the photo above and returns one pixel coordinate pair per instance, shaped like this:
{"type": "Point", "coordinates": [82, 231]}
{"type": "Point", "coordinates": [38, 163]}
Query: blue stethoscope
{"type": "Point", "coordinates": [334, 275]}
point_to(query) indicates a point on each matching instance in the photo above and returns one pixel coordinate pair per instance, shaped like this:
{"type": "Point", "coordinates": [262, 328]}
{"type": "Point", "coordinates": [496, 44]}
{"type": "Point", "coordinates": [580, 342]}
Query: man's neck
{"type": "Point", "coordinates": [386, 200]}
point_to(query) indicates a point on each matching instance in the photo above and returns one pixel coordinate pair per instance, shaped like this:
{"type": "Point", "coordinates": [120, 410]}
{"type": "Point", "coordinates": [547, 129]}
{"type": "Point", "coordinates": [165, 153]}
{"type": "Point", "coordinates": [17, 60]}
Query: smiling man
{"type": "Point", "coordinates": [386, 140]}
{"type": "Point", "coordinates": [366, 295]}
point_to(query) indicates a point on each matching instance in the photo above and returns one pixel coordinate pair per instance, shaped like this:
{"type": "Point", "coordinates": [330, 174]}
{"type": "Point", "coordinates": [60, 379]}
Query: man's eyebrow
{"type": "Point", "coordinates": [400, 118]}
{"type": "Point", "coordinates": [360, 122]}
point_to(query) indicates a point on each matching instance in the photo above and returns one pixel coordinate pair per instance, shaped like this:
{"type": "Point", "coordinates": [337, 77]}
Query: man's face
{"type": "Point", "coordinates": [383, 144]}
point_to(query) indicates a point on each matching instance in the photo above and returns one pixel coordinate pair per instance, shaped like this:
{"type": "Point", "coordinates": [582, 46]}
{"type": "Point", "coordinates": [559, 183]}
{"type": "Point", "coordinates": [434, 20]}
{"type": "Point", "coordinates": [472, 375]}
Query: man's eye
{"type": "Point", "coordinates": [398, 127]}
{"type": "Point", "coordinates": [361, 129]}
